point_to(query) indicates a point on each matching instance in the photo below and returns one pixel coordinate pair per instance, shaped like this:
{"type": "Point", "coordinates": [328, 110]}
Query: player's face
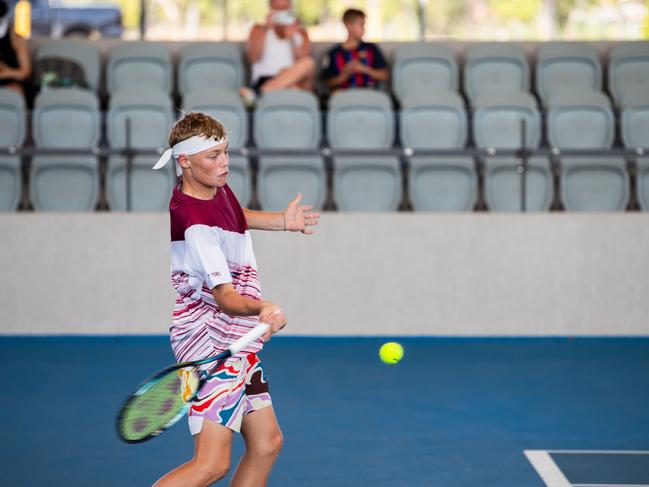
{"type": "Point", "coordinates": [356, 27]}
{"type": "Point", "coordinates": [210, 167]}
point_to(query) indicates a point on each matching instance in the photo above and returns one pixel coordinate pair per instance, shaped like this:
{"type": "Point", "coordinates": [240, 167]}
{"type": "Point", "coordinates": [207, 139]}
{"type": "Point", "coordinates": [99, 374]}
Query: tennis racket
{"type": "Point", "coordinates": [165, 397]}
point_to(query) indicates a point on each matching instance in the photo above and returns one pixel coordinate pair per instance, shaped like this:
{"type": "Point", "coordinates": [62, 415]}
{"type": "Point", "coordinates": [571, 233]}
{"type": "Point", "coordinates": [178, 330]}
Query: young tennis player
{"type": "Point", "coordinates": [218, 299]}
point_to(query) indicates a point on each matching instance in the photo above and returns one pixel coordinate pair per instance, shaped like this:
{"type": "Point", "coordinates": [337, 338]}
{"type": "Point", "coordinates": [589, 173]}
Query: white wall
{"type": "Point", "coordinates": [361, 274]}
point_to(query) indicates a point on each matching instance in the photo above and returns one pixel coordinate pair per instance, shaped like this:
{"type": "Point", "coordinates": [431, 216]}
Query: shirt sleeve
{"type": "Point", "coordinates": [329, 69]}
{"type": "Point", "coordinates": [204, 256]}
{"type": "Point", "coordinates": [379, 60]}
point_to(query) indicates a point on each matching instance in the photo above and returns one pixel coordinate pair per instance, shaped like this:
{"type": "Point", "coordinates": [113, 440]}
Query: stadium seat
{"type": "Point", "coordinates": [139, 65]}
{"type": "Point", "coordinates": [228, 108]}
{"type": "Point", "coordinates": [363, 119]}
{"type": "Point", "coordinates": [642, 182]}
{"type": "Point", "coordinates": [438, 183]}
{"type": "Point", "coordinates": [580, 120]}
{"type": "Point", "coordinates": [584, 120]}
{"type": "Point", "coordinates": [151, 117]}
{"type": "Point", "coordinates": [13, 125]}
{"type": "Point", "coordinates": [628, 70]}
{"type": "Point", "coordinates": [83, 52]}
{"type": "Point", "coordinates": [594, 183]}
{"type": "Point", "coordinates": [497, 120]}
{"type": "Point", "coordinates": [209, 66]}
{"type": "Point", "coordinates": [495, 68]}
{"type": "Point", "coordinates": [635, 120]}
{"type": "Point", "coordinates": [65, 118]}
{"type": "Point", "coordinates": [562, 67]}
{"type": "Point", "coordinates": [289, 119]}
{"type": "Point", "coordinates": [497, 124]}
{"type": "Point", "coordinates": [423, 69]}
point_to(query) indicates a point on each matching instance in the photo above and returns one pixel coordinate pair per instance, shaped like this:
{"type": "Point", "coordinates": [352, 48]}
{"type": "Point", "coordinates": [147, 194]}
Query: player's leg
{"type": "Point", "coordinates": [211, 459]}
{"type": "Point", "coordinates": [293, 76]}
{"type": "Point", "coordinates": [263, 443]}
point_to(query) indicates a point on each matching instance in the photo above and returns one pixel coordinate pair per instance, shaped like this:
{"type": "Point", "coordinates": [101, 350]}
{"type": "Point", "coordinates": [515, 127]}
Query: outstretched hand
{"type": "Point", "coordinates": [299, 217]}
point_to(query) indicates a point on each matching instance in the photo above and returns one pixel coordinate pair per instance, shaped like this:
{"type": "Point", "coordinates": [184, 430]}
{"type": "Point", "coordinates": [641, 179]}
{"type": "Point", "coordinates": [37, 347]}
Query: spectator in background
{"type": "Point", "coordinates": [279, 52]}
{"type": "Point", "coordinates": [354, 63]}
{"type": "Point", "coordinates": [15, 65]}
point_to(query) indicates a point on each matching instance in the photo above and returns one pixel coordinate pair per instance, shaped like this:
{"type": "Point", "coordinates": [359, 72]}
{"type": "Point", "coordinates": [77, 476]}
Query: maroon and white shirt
{"type": "Point", "coordinates": [210, 245]}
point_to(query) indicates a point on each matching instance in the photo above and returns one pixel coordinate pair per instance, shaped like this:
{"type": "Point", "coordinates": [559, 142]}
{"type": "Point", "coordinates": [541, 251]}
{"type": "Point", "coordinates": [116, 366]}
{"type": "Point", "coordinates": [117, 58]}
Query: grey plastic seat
{"type": "Point", "coordinates": [289, 119]}
{"type": "Point", "coordinates": [13, 125]}
{"type": "Point", "coordinates": [65, 118]}
{"type": "Point", "coordinates": [497, 124]}
{"type": "Point", "coordinates": [83, 52]}
{"type": "Point", "coordinates": [642, 182]}
{"type": "Point", "coordinates": [151, 118]}
{"type": "Point", "coordinates": [209, 66]}
{"type": "Point", "coordinates": [628, 70]}
{"type": "Point", "coordinates": [635, 120]}
{"type": "Point", "coordinates": [495, 68]}
{"type": "Point", "coordinates": [423, 69]}
{"type": "Point", "coordinates": [363, 119]}
{"type": "Point", "coordinates": [139, 65]}
{"type": "Point", "coordinates": [438, 183]}
{"type": "Point", "coordinates": [228, 108]}
{"type": "Point", "coordinates": [594, 183]}
{"type": "Point", "coordinates": [580, 120]}
{"type": "Point", "coordinates": [562, 67]}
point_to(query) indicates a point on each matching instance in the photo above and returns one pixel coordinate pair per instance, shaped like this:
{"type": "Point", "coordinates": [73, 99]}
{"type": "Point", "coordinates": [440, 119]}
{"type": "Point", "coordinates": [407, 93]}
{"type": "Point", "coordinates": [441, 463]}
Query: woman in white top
{"type": "Point", "coordinates": [279, 52]}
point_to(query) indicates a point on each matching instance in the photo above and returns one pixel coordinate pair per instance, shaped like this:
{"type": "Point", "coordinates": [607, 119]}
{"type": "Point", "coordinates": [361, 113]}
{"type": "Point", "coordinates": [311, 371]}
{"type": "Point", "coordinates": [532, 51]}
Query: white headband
{"type": "Point", "coordinates": [190, 146]}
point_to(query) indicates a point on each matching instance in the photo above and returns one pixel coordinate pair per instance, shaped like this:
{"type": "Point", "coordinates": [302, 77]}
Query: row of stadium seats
{"type": "Point", "coordinates": [356, 119]}
{"type": "Point", "coordinates": [416, 68]}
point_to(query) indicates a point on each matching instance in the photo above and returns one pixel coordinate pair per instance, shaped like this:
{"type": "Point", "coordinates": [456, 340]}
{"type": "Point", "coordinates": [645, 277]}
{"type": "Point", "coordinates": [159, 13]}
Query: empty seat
{"type": "Point", "coordinates": [628, 70]}
{"type": "Point", "coordinates": [584, 120]}
{"type": "Point", "coordinates": [228, 108]}
{"type": "Point", "coordinates": [209, 66]}
{"type": "Point", "coordinates": [151, 116]}
{"type": "Point", "coordinates": [497, 123]}
{"type": "Point", "coordinates": [642, 182]}
{"type": "Point", "coordinates": [83, 52]}
{"type": "Point", "coordinates": [424, 69]}
{"type": "Point", "coordinates": [66, 118]}
{"type": "Point", "coordinates": [139, 65]}
{"type": "Point", "coordinates": [289, 119]}
{"type": "Point", "coordinates": [438, 183]}
{"type": "Point", "coordinates": [580, 120]}
{"type": "Point", "coordinates": [363, 119]}
{"type": "Point", "coordinates": [12, 134]}
{"type": "Point", "coordinates": [495, 68]}
{"type": "Point", "coordinates": [635, 120]}
{"type": "Point", "coordinates": [565, 67]}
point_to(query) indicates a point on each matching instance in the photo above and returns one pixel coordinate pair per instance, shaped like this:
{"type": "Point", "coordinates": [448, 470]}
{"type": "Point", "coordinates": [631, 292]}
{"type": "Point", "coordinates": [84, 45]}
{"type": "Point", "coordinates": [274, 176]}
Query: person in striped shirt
{"type": "Point", "coordinates": [354, 63]}
{"type": "Point", "coordinates": [218, 299]}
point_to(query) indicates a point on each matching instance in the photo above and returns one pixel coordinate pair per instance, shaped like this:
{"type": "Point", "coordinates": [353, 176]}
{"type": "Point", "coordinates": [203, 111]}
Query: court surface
{"type": "Point", "coordinates": [454, 412]}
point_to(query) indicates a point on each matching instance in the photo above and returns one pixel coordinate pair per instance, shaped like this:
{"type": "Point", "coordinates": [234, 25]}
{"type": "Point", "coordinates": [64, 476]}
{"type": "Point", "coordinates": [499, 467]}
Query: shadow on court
{"type": "Point", "coordinates": [454, 412]}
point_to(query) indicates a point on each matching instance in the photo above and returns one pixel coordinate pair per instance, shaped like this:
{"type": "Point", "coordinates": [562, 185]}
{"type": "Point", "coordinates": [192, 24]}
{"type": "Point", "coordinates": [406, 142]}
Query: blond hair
{"type": "Point", "coordinates": [196, 123]}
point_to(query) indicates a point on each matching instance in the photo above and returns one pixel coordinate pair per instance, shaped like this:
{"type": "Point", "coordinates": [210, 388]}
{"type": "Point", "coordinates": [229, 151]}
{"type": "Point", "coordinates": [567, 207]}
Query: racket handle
{"type": "Point", "coordinates": [248, 338]}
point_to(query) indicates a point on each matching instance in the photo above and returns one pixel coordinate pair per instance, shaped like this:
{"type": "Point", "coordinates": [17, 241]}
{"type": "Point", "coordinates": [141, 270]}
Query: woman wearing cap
{"type": "Point", "coordinates": [15, 65]}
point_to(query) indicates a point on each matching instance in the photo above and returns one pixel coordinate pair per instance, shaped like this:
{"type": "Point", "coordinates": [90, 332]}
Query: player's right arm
{"type": "Point", "coordinates": [234, 304]}
{"type": "Point", "coordinates": [257, 39]}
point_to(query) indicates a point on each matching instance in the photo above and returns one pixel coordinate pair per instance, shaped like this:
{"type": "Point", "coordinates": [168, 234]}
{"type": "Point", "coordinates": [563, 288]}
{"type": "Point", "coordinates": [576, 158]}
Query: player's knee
{"type": "Point", "coordinates": [307, 63]}
{"type": "Point", "coordinates": [213, 471]}
{"type": "Point", "coordinates": [270, 446]}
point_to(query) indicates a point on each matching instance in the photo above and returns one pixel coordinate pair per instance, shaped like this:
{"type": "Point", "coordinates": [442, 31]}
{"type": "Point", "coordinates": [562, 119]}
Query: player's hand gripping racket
{"type": "Point", "coordinates": [165, 397]}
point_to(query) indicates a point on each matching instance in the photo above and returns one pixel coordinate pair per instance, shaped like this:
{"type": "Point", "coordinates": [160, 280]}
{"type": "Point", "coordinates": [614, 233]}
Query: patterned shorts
{"type": "Point", "coordinates": [236, 388]}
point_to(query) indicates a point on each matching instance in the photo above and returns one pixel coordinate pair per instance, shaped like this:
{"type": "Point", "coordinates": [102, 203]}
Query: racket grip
{"type": "Point", "coordinates": [248, 338]}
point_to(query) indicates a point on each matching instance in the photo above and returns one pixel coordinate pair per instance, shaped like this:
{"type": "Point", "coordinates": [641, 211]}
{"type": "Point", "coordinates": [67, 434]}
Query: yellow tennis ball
{"type": "Point", "coordinates": [391, 352]}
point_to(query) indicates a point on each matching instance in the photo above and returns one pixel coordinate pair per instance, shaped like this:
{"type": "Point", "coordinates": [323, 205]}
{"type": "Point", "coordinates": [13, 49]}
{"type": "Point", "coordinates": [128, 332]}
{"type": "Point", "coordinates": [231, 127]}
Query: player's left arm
{"type": "Point", "coordinates": [295, 218]}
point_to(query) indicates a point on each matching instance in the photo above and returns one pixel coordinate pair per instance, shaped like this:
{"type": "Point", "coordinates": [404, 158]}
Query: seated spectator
{"type": "Point", "coordinates": [354, 63]}
{"type": "Point", "coordinates": [279, 51]}
{"type": "Point", "coordinates": [15, 65]}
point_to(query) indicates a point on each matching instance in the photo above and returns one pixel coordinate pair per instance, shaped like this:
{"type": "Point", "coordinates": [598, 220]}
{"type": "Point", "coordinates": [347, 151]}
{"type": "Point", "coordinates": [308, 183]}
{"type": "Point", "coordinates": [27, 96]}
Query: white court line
{"type": "Point", "coordinates": [549, 472]}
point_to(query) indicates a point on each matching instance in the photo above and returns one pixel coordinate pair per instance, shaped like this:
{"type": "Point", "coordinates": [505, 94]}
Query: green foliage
{"type": "Point", "coordinates": [522, 10]}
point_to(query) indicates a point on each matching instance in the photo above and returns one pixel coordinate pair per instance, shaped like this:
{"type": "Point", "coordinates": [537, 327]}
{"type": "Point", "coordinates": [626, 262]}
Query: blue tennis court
{"type": "Point", "coordinates": [453, 412]}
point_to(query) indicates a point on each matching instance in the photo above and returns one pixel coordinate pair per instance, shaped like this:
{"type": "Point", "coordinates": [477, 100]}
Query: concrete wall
{"type": "Point", "coordinates": [361, 274]}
